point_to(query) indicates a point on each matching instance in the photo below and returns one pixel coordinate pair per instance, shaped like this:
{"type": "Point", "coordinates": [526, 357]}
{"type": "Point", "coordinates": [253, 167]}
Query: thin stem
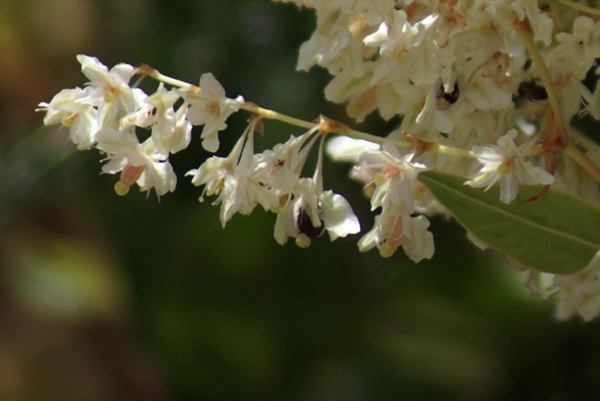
{"type": "Point", "coordinates": [538, 60]}
{"type": "Point", "coordinates": [583, 161]}
{"type": "Point", "coordinates": [273, 115]}
{"type": "Point", "coordinates": [581, 139]}
{"type": "Point", "coordinates": [560, 139]}
{"type": "Point", "coordinates": [352, 133]}
{"type": "Point", "coordinates": [341, 129]}
{"type": "Point", "coordinates": [318, 175]}
{"type": "Point", "coordinates": [325, 125]}
{"type": "Point", "coordinates": [447, 150]}
{"type": "Point", "coordinates": [580, 7]}
{"type": "Point", "coordinates": [154, 73]}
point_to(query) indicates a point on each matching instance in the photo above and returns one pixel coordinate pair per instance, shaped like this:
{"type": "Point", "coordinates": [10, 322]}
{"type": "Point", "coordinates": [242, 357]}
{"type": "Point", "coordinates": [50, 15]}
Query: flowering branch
{"type": "Point", "coordinates": [326, 126]}
{"type": "Point", "coordinates": [580, 7]}
{"type": "Point", "coordinates": [462, 76]}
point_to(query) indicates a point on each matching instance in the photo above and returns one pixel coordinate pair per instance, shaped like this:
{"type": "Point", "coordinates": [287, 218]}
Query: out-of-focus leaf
{"type": "Point", "coordinates": [556, 233]}
{"type": "Point", "coordinates": [65, 279]}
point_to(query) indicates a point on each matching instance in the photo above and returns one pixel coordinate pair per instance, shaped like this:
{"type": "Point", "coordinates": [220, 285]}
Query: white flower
{"type": "Point", "coordinates": [393, 230]}
{"type": "Point", "coordinates": [579, 292]}
{"type": "Point", "coordinates": [507, 164]}
{"type": "Point", "coordinates": [211, 174]}
{"type": "Point", "coordinates": [407, 47]}
{"type": "Point", "coordinates": [111, 84]}
{"type": "Point", "coordinates": [110, 91]}
{"type": "Point", "coordinates": [279, 168]}
{"type": "Point", "coordinates": [232, 179]}
{"type": "Point", "coordinates": [391, 175]}
{"type": "Point", "coordinates": [156, 108]}
{"type": "Point", "coordinates": [337, 42]}
{"type": "Point", "coordinates": [300, 215]}
{"type": "Point", "coordinates": [211, 108]}
{"type": "Point", "coordinates": [176, 135]}
{"type": "Point", "coordinates": [391, 179]}
{"type": "Point", "coordinates": [241, 192]}
{"type": "Point", "coordinates": [139, 163]}
{"type": "Point", "coordinates": [310, 211]}
{"type": "Point", "coordinates": [171, 131]}
{"type": "Point", "coordinates": [70, 108]}
{"type": "Point", "coordinates": [346, 86]}
{"type": "Point", "coordinates": [337, 215]}
{"type": "Point", "coordinates": [576, 52]}
{"type": "Point", "coordinates": [504, 11]}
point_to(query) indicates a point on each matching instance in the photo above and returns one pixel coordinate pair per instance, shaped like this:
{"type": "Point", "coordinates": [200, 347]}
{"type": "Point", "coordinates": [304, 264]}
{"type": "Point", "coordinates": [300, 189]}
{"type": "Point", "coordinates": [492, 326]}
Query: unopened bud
{"type": "Point", "coordinates": [121, 189]}
{"type": "Point", "coordinates": [386, 250]}
{"type": "Point", "coordinates": [303, 241]}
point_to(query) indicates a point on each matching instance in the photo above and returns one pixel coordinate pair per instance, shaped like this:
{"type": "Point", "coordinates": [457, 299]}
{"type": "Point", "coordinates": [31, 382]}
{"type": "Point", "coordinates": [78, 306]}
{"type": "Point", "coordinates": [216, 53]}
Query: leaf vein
{"type": "Point", "coordinates": [541, 227]}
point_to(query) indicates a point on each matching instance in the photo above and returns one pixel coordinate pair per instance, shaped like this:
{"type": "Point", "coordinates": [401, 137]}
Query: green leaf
{"type": "Point", "coordinates": [556, 233]}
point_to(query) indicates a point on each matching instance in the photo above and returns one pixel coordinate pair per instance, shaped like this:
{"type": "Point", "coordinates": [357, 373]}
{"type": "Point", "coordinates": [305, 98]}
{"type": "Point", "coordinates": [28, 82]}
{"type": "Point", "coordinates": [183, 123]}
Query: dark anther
{"type": "Point", "coordinates": [306, 226]}
{"type": "Point", "coordinates": [445, 99]}
{"type": "Point", "coordinates": [531, 90]}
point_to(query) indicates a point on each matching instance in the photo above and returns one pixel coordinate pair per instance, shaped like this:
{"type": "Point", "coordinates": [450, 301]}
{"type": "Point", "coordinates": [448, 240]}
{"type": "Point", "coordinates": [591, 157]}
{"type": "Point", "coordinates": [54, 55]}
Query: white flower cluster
{"type": "Point", "coordinates": [107, 111]}
{"type": "Point", "coordinates": [391, 181]}
{"type": "Point", "coordinates": [109, 114]}
{"type": "Point", "coordinates": [460, 73]}
{"type": "Point", "coordinates": [498, 81]}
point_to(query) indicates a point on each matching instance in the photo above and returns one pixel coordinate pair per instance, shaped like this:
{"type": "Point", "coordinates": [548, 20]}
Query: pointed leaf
{"type": "Point", "coordinates": [556, 233]}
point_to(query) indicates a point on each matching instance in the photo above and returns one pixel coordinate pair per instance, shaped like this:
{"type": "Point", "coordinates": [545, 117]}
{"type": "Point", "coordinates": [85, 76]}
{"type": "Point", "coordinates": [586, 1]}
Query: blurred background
{"type": "Point", "coordinates": [130, 298]}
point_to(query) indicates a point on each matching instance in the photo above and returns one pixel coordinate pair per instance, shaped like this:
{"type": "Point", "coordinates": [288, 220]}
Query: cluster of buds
{"type": "Point", "coordinates": [486, 90]}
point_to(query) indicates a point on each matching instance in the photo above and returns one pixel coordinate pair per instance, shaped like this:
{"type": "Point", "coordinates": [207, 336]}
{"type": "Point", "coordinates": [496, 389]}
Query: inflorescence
{"type": "Point", "coordinates": [486, 90]}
